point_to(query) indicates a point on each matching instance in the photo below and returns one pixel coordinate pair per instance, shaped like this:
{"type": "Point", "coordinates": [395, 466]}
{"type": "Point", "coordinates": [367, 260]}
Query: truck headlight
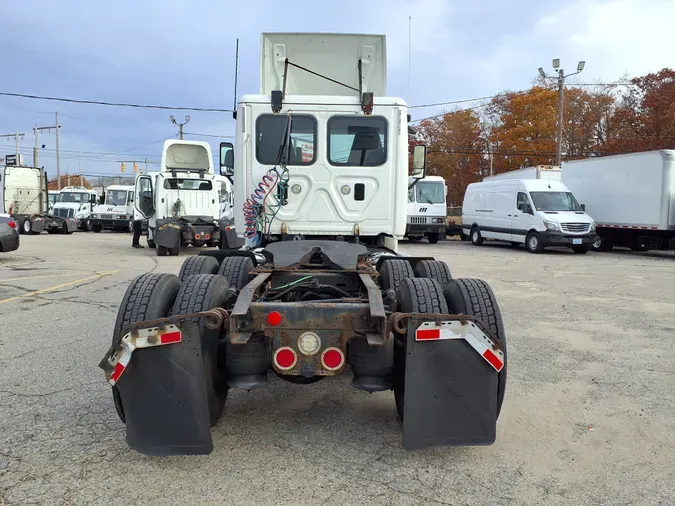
{"type": "Point", "coordinates": [437, 220]}
{"type": "Point", "coordinates": [551, 225]}
{"type": "Point", "coordinates": [592, 229]}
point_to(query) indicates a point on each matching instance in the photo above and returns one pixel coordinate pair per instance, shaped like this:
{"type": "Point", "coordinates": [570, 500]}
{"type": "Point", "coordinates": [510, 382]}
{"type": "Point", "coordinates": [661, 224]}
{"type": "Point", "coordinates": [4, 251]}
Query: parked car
{"type": "Point", "coordinates": [9, 235]}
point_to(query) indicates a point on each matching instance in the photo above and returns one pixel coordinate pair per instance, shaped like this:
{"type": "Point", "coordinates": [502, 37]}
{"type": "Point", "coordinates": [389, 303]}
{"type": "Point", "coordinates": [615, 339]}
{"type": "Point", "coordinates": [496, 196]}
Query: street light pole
{"type": "Point", "coordinates": [180, 125]}
{"type": "Point", "coordinates": [561, 90]}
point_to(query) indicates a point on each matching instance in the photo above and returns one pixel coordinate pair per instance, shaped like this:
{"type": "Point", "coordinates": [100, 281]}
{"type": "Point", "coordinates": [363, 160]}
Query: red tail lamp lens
{"type": "Point", "coordinates": [207, 236]}
{"type": "Point", "coordinates": [285, 358]}
{"type": "Point", "coordinates": [274, 318]}
{"type": "Point", "coordinates": [332, 359]}
{"type": "Point", "coordinates": [12, 224]}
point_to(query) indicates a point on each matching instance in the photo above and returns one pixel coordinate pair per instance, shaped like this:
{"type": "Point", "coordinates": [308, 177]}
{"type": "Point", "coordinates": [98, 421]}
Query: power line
{"type": "Point", "coordinates": [211, 135]}
{"type": "Point", "coordinates": [112, 104]}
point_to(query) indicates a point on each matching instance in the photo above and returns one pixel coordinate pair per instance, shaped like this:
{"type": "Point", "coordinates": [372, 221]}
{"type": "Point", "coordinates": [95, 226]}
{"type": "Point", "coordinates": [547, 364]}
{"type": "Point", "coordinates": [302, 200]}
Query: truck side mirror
{"type": "Point", "coordinates": [583, 207]}
{"type": "Point", "coordinates": [226, 159]}
{"type": "Point", "coordinates": [419, 168]}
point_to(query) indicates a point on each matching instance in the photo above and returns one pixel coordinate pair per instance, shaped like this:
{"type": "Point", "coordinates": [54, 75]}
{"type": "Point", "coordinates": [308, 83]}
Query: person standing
{"type": "Point", "coordinates": [138, 227]}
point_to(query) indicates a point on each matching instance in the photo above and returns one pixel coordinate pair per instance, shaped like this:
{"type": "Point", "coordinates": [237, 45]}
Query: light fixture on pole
{"type": "Point", "coordinates": [180, 125]}
{"type": "Point", "coordinates": [561, 85]}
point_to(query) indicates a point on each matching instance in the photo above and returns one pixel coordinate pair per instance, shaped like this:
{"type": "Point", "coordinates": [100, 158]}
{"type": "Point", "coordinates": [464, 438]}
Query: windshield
{"type": "Point", "coordinates": [187, 184]}
{"type": "Point", "coordinates": [554, 201]}
{"type": "Point", "coordinates": [72, 197]}
{"type": "Point", "coordinates": [430, 193]}
{"type": "Point", "coordinates": [116, 198]}
{"type": "Point", "coordinates": [52, 198]}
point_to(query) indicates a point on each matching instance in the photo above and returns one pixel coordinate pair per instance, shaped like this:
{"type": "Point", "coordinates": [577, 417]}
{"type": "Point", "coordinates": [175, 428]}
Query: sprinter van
{"type": "Point", "coordinates": [534, 212]}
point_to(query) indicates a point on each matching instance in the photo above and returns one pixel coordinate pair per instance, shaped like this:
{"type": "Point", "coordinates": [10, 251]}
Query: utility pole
{"type": "Point", "coordinates": [561, 87]}
{"type": "Point", "coordinates": [180, 125]}
{"type": "Point", "coordinates": [36, 149]}
{"type": "Point", "coordinates": [16, 138]}
{"type": "Point", "coordinates": [58, 154]}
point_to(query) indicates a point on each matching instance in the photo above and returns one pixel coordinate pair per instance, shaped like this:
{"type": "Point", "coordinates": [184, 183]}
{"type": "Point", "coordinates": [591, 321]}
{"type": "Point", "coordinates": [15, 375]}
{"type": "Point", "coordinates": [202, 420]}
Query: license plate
{"type": "Point", "coordinates": [576, 241]}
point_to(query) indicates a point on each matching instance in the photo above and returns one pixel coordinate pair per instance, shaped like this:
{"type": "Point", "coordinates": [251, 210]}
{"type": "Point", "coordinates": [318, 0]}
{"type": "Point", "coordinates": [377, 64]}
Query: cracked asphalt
{"type": "Point", "coordinates": [587, 419]}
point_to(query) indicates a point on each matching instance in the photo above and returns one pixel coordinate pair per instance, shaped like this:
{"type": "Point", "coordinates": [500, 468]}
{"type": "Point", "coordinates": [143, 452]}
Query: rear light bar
{"type": "Point", "coordinates": [332, 359]}
{"type": "Point", "coordinates": [117, 359]}
{"type": "Point", "coordinates": [285, 358]}
{"type": "Point", "coordinates": [431, 331]}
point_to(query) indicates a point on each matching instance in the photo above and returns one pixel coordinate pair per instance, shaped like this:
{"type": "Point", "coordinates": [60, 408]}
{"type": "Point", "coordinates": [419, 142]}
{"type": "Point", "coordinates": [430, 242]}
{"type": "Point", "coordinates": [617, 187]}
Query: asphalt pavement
{"type": "Point", "coordinates": [587, 419]}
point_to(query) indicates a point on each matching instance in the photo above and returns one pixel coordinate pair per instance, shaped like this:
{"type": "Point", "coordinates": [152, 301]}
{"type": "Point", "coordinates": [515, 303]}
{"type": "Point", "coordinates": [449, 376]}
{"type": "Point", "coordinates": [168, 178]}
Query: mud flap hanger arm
{"type": "Point", "coordinates": [365, 97]}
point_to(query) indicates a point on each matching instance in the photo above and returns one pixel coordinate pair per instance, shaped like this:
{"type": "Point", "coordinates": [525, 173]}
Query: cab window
{"type": "Point", "coordinates": [357, 141]}
{"type": "Point", "coordinates": [270, 131]}
{"type": "Point", "coordinates": [187, 184]}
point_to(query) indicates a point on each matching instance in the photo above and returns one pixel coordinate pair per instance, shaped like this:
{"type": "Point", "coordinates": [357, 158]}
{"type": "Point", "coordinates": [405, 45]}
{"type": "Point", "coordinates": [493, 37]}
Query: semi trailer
{"type": "Point", "coordinates": [319, 288]}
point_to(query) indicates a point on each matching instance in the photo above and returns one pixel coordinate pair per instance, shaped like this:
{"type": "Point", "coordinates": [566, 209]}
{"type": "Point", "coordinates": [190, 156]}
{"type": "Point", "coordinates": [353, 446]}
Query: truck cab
{"type": "Point", "coordinates": [181, 201]}
{"type": "Point", "coordinates": [76, 202]}
{"type": "Point", "coordinates": [116, 212]}
{"type": "Point", "coordinates": [426, 209]}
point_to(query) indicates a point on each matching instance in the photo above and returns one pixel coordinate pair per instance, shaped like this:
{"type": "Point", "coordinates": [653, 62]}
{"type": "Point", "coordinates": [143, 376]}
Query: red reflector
{"type": "Point", "coordinates": [117, 372]}
{"type": "Point", "coordinates": [428, 334]}
{"type": "Point", "coordinates": [169, 337]}
{"type": "Point", "coordinates": [207, 236]}
{"type": "Point", "coordinates": [285, 358]}
{"type": "Point", "coordinates": [12, 224]}
{"type": "Point", "coordinates": [332, 358]}
{"type": "Point", "coordinates": [493, 360]}
{"type": "Point", "coordinates": [274, 318]}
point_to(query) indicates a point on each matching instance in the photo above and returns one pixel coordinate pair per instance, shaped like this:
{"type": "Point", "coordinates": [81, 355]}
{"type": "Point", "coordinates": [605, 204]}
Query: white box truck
{"type": "Point", "coordinates": [550, 172]}
{"type": "Point", "coordinates": [631, 197]}
{"type": "Point", "coordinates": [117, 212]}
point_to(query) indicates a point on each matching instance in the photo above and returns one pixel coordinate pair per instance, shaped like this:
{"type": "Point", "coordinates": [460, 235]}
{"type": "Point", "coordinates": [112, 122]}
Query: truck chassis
{"type": "Point", "coordinates": [306, 310]}
{"type": "Point", "coordinates": [37, 223]}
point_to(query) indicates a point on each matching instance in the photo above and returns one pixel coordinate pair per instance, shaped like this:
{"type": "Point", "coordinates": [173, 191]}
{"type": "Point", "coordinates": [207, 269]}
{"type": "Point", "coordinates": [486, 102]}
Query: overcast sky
{"type": "Point", "coordinates": [181, 53]}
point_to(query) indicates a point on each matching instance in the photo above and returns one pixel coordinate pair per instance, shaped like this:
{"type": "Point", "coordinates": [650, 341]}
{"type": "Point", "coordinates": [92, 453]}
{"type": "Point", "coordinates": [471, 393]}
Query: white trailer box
{"type": "Point", "coordinates": [550, 172]}
{"type": "Point", "coordinates": [631, 197]}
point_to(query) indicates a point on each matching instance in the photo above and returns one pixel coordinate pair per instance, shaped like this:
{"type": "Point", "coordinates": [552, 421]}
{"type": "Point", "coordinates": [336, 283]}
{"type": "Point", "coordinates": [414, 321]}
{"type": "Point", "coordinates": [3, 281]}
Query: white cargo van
{"type": "Point", "coordinates": [535, 212]}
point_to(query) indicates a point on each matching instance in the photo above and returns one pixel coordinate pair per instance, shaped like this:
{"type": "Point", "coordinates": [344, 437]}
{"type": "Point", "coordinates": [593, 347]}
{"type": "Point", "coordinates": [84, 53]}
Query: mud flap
{"type": "Point", "coordinates": [450, 395]}
{"type": "Point", "coordinates": [71, 225]}
{"type": "Point", "coordinates": [164, 399]}
{"type": "Point", "coordinates": [168, 233]}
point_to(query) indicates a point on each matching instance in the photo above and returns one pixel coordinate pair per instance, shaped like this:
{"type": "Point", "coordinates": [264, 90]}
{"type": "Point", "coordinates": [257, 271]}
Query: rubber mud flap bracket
{"type": "Point", "coordinates": [450, 394]}
{"type": "Point", "coordinates": [164, 398]}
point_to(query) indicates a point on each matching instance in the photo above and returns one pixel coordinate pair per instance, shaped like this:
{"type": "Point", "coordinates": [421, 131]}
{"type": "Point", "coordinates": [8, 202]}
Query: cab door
{"type": "Point", "coordinates": [144, 197]}
{"type": "Point", "coordinates": [521, 217]}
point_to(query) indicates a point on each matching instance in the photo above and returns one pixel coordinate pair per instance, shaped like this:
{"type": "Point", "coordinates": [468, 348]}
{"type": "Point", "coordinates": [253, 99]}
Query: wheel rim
{"type": "Point", "coordinates": [474, 236]}
{"type": "Point", "coordinates": [26, 226]}
{"type": "Point", "coordinates": [597, 242]}
{"type": "Point", "coordinates": [534, 242]}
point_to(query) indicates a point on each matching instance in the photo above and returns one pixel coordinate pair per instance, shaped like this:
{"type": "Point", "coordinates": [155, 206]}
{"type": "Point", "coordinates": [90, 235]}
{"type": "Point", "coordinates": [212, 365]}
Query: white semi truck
{"type": "Point", "coordinates": [76, 202]}
{"type": "Point", "coordinates": [427, 209]}
{"type": "Point", "coordinates": [23, 194]}
{"type": "Point", "coordinates": [631, 197]}
{"type": "Point", "coordinates": [182, 201]}
{"type": "Point", "coordinates": [319, 289]}
{"type": "Point", "coordinates": [116, 212]}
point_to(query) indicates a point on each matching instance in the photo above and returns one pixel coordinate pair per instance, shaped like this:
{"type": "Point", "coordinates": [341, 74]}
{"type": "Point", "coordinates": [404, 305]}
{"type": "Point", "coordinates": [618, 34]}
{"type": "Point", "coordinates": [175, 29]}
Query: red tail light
{"type": "Point", "coordinates": [12, 224]}
{"type": "Point", "coordinates": [207, 236]}
{"type": "Point", "coordinates": [274, 318]}
{"type": "Point", "coordinates": [332, 359]}
{"type": "Point", "coordinates": [285, 358]}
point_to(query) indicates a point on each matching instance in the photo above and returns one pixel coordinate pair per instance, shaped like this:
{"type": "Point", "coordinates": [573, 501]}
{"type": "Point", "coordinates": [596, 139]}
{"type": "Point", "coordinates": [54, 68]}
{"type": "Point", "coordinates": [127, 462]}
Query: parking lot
{"type": "Point", "coordinates": [587, 419]}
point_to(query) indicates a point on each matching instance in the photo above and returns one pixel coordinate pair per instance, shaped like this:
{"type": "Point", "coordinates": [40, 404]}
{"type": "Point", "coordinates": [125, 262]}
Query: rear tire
{"type": "Point", "coordinates": [27, 226]}
{"type": "Point", "coordinates": [175, 251]}
{"type": "Point", "coordinates": [602, 243]}
{"type": "Point", "coordinates": [149, 296]}
{"type": "Point", "coordinates": [433, 238]}
{"type": "Point", "coordinates": [236, 270]}
{"type": "Point", "coordinates": [19, 224]}
{"type": "Point", "coordinates": [476, 237]}
{"type": "Point", "coordinates": [96, 229]}
{"type": "Point", "coordinates": [414, 295]}
{"type": "Point", "coordinates": [433, 269]}
{"type": "Point", "coordinates": [533, 243]}
{"type": "Point", "coordinates": [162, 251]}
{"type": "Point", "coordinates": [393, 272]}
{"type": "Point", "coordinates": [198, 264]}
{"type": "Point", "coordinates": [475, 297]}
{"type": "Point", "coordinates": [201, 293]}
